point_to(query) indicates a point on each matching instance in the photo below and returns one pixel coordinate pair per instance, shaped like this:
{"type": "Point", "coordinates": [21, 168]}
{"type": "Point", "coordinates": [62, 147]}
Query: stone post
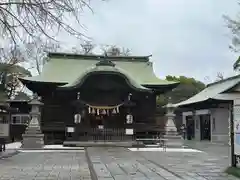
{"type": "Point", "coordinates": [171, 134]}
{"type": "Point", "coordinates": [33, 137]}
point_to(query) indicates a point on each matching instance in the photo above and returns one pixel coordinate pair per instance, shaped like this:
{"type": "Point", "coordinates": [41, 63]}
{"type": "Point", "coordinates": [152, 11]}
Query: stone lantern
{"type": "Point", "coordinates": [33, 137]}
{"type": "Point", "coordinates": [170, 127]}
{"type": "Point", "coordinates": [171, 134]}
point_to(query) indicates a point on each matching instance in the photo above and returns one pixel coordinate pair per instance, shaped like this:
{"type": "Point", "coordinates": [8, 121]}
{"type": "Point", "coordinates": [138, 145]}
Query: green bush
{"type": "Point", "coordinates": [235, 171]}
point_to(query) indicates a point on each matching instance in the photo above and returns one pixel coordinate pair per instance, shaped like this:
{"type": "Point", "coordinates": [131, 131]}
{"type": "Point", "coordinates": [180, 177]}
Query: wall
{"type": "Point", "coordinates": [220, 129]}
{"type": "Point", "coordinates": [197, 128]}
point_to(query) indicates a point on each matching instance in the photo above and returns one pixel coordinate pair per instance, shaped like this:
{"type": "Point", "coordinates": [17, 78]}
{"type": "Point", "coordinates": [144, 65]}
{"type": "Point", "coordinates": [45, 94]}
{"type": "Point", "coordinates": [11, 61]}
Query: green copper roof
{"type": "Point", "coordinates": [67, 68]}
{"type": "Point", "coordinates": [107, 70]}
{"type": "Point", "coordinates": [214, 91]}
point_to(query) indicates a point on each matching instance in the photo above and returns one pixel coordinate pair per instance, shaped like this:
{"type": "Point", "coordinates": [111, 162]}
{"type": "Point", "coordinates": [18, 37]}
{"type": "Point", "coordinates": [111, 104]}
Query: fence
{"type": "Point", "coordinates": [108, 134]}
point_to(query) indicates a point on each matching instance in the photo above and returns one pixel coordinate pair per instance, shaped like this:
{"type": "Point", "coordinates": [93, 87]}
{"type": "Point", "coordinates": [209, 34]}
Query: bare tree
{"type": "Point", "coordinates": [84, 48]}
{"type": "Point", "coordinates": [126, 52]}
{"type": "Point", "coordinates": [234, 26]}
{"type": "Point", "coordinates": [207, 78]}
{"type": "Point", "coordinates": [12, 84]}
{"type": "Point", "coordinates": [87, 47]}
{"type": "Point", "coordinates": [9, 57]}
{"type": "Point", "coordinates": [219, 76]}
{"type": "Point", "coordinates": [11, 54]}
{"type": "Point", "coordinates": [39, 17]}
{"type": "Point", "coordinates": [36, 52]}
{"type": "Point", "coordinates": [115, 51]}
{"type": "Point", "coordinates": [236, 64]}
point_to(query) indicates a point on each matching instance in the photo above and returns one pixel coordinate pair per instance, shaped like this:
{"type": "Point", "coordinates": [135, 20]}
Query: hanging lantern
{"type": "Point", "coordinates": [93, 111]}
{"type": "Point", "coordinates": [114, 111]}
{"type": "Point", "coordinates": [129, 119]}
{"type": "Point", "coordinates": [78, 95]}
{"type": "Point", "coordinates": [77, 118]}
{"type": "Point", "coordinates": [104, 112]}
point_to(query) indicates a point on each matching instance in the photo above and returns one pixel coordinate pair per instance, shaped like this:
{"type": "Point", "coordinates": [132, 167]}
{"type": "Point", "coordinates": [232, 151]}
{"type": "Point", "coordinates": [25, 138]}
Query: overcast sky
{"type": "Point", "coordinates": [185, 37]}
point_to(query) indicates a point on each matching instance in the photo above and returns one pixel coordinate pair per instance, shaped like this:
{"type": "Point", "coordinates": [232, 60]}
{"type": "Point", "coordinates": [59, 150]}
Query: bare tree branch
{"type": "Point", "coordinates": [36, 52]}
{"type": "Point", "coordinates": [10, 59]}
{"type": "Point", "coordinates": [219, 76]}
{"type": "Point", "coordinates": [113, 50]}
{"type": "Point", "coordinates": [19, 18]}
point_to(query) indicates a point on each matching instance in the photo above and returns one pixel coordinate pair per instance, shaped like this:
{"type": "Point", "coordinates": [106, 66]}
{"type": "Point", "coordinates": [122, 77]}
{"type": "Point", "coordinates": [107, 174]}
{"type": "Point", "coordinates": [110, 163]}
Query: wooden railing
{"type": "Point", "coordinates": [84, 133]}
{"type": "Point", "coordinates": [108, 134]}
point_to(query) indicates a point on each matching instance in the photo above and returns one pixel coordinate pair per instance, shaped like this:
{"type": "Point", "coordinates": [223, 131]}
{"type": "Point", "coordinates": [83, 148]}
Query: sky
{"type": "Point", "coordinates": [184, 37]}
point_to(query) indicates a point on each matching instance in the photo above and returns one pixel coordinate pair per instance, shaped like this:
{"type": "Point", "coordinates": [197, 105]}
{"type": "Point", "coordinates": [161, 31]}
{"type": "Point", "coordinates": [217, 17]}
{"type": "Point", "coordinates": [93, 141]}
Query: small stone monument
{"type": "Point", "coordinates": [33, 137]}
{"type": "Point", "coordinates": [170, 128]}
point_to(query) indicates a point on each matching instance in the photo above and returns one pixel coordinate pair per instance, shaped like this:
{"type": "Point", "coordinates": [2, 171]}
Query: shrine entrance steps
{"type": "Point", "coordinates": [99, 143]}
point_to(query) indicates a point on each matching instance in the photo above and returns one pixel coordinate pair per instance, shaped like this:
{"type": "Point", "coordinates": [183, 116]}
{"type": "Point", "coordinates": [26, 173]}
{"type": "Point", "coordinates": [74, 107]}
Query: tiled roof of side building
{"type": "Point", "coordinates": [214, 91]}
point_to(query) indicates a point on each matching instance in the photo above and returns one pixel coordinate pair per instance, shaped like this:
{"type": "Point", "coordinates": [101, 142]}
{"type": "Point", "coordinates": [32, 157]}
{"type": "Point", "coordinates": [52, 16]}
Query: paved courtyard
{"type": "Point", "coordinates": [208, 164]}
{"type": "Point", "coordinates": [118, 164]}
{"type": "Point", "coordinates": [45, 165]}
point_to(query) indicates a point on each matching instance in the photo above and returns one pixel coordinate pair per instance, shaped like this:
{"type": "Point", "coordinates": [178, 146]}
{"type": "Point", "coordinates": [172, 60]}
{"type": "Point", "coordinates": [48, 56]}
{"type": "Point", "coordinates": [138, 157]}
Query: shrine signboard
{"type": "Point", "coordinates": [129, 132]}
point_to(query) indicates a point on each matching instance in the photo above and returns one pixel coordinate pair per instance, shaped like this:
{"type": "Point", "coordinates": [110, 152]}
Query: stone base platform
{"type": "Point", "coordinates": [98, 143]}
{"type": "Point", "coordinates": [32, 141]}
{"type": "Point", "coordinates": [174, 141]}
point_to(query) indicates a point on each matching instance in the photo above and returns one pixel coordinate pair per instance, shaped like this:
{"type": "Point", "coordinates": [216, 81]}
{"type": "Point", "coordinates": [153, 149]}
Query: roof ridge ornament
{"type": "Point", "coordinates": [105, 62]}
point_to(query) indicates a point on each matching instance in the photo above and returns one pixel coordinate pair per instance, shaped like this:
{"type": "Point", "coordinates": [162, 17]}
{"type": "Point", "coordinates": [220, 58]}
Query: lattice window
{"type": "Point", "coordinates": [20, 119]}
{"type": "Point", "coordinates": [236, 112]}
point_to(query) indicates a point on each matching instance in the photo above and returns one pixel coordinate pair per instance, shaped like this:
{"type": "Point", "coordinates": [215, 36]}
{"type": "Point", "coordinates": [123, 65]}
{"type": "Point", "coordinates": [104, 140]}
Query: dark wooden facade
{"type": "Point", "coordinates": [100, 89]}
{"type": "Point", "coordinates": [103, 90]}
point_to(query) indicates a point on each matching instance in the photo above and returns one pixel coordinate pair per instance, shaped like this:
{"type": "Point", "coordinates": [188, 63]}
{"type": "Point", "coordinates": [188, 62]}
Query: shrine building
{"type": "Point", "coordinates": [96, 97]}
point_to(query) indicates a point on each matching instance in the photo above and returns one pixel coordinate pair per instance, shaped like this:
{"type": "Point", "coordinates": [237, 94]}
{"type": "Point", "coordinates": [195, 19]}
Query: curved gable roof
{"type": "Point", "coordinates": [104, 70]}
{"type": "Point", "coordinates": [65, 68]}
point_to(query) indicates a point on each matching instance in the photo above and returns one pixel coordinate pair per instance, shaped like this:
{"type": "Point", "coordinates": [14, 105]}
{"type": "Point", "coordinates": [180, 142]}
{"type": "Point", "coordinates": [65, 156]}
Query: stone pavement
{"type": "Point", "coordinates": [208, 164]}
{"type": "Point", "coordinates": [119, 163]}
{"type": "Point", "coordinates": [11, 149]}
{"type": "Point", "coordinates": [45, 165]}
{"type": "Point", "coordinates": [210, 148]}
{"type": "Point", "coordinates": [8, 153]}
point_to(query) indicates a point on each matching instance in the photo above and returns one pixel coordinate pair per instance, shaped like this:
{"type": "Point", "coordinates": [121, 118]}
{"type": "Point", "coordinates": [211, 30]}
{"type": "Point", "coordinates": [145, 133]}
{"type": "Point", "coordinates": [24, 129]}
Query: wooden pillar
{"type": "Point", "coordinates": [231, 134]}
{"type": "Point", "coordinates": [194, 119]}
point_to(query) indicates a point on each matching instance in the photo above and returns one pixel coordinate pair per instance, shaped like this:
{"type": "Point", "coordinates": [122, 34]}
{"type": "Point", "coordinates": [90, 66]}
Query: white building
{"type": "Point", "coordinates": [208, 112]}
